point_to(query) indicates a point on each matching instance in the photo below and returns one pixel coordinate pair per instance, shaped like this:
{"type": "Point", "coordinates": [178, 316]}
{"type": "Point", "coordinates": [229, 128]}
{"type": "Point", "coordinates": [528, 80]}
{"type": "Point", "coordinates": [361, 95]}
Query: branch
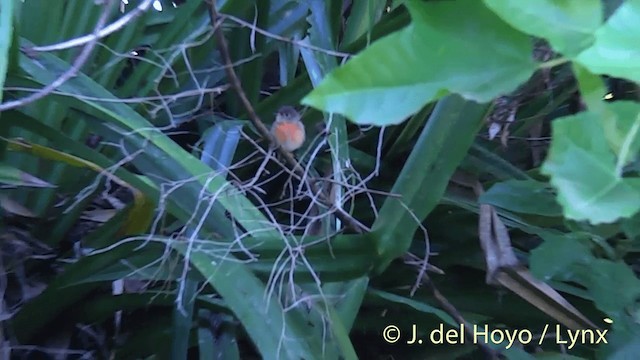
{"type": "Point", "coordinates": [284, 39]}
{"type": "Point", "coordinates": [96, 35]}
{"type": "Point", "coordinates": [264, 131]}
{"type": "Point", "coordinates": [71, 72]}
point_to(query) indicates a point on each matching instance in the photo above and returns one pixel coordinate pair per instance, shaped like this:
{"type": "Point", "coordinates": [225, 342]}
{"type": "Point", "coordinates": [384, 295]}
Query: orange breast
{"type": "Point", "coordinates": [288, 131]}
{"type": "Point", "coordinates": [290, 135]}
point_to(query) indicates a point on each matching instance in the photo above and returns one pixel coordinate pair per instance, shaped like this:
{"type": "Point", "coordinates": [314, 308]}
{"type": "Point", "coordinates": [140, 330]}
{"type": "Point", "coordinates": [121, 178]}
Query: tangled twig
{"type": "Point", "coordinates": [102, 32]}
{"type": "Point", "coordinates": [264, 131]}
{"type": "Point", "coordinates": [71, 72]}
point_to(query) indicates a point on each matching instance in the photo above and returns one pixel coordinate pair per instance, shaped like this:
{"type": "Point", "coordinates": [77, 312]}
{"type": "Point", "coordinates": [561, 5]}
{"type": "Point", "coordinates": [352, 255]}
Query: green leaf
{"type": "Point", "coordinates": [624, 131]}
{"type": "Point", "coordinates": [631, 226]}
{"type": "Point", "coordinates": [276, 333]}
{"type": "Point", "coordinates": [601, 274]}
{"type": "Point", "coordinates": [557, 254]}
{"type": "Point", "coordinates": [583, 169]}
{"type": "Point", "coordinates": [623, 340]}
{"type": "Point", "coordinates": [592, 89]}
{"type": "Point", "coordinates": [363, 15]}
{"type": "Point", "coordinates": [443, 143]}
{"type": "Point", "coordinates": [523, 196]}
{"type": "Point", "coordinates": [443, 50]}
{"type": "Point", "coordinates": [615, 51]}
{"type": "Point", "coordinates": [6, 38]}
{"type": "Point", "coordinates": [494, 164]}
{"type": "Point", "coordinates": [568, 25]}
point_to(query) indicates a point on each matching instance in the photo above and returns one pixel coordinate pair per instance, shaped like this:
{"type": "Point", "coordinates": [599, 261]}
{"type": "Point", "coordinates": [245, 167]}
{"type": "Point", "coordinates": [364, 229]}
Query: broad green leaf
{"type": "Point", "coordinates": [363, 15]}
{"type": "Point", "coordinates": [443, 143]}
{"type": "Point", "coordinates": [401, 136]}
{"type": "Point", "coordinates": [494, 164]}
{"type": "Point", "coordinates": [615, 51]}
{"type": "Point", "coordinates": [631, 227]}
{"type": "Point", "coordinates": [6, 38]}
{"type": "Point", "coordinates": [523, 196]}
{"type": "Point", "coordinates": [568, 25]}
{"type": "Point", "coordinates": [623, 339]}
{"type": "Point", "coordinates": [592, 90]}
{"type": "Point", "coordinates": [583, 169]}
{"type": "Point", "coordinates": [625, 351]}
{"type": "Point", "coordinates": [556, 254]}
{"type": "Point", "coordinates": [599, 277]}
{"type": "Point", "coordinates": [624, 130]}
{"type": "Point", "coordinates": [443, 50]}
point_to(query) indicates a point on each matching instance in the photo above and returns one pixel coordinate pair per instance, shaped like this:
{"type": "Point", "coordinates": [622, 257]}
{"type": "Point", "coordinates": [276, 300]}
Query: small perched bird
{"type": "Point", "coordinates": [288, 130]}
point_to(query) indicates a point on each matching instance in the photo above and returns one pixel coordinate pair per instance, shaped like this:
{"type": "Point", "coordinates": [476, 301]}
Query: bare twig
{"type": "Point", "coordinates": [264, 131]}
{"type": "Point", "coordinates": [282, 38]}
{"type": "Point", "coordinates": [101, 33]}
{"type": "Point", "coordinates": [71, 72]}
{"type": "Point", "coordinates": [133, 100]}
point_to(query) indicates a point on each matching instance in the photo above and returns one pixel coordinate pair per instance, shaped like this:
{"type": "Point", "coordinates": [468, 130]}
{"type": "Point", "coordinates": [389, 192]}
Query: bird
{"type": "Point", "coordinates": [287, 130]}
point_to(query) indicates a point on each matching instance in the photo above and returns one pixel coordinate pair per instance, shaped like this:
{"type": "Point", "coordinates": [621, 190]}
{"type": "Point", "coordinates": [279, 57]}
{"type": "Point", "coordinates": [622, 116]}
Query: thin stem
{"type": "Point", "coordinates": [71, 72]}
{"type": "Point", "coordinates": [264, 131]}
